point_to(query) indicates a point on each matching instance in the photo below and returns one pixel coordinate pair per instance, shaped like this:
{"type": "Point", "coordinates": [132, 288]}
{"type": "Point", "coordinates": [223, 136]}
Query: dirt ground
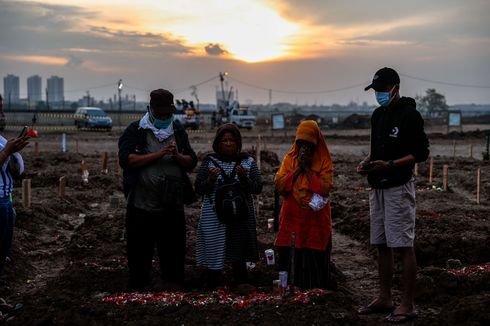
{"type": "Point", "coordinates": [69, 253]}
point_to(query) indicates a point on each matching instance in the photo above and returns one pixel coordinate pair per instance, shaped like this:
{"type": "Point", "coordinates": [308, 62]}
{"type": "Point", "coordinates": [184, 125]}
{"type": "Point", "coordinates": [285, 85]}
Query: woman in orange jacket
{"type": "Point", "coordinates": [305, 181]}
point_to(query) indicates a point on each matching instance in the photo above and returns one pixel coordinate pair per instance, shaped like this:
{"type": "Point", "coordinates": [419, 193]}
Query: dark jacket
{"type": "Point", "coordinates": [396, 132]}
{"type": "Point", "coordinates": [133, 140]}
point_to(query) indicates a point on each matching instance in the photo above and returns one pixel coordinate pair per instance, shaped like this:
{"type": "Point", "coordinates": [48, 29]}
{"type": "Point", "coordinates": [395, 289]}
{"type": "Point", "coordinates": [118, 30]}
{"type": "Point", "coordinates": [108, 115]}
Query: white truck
{"type": "Point", "coordinates": [241, 117]}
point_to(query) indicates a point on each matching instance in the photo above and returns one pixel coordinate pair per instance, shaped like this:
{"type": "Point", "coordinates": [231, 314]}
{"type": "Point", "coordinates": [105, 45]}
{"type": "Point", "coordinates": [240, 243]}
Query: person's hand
{"type": "Point", "coordinates": [305, 158]}
{"type": "Point", "coordinates": [213, 174]}
{"type": "Point", "coordinates": [302, 170]}
{"type": "Point", "coordinates": [364, 167]}
{"type": "Point", "coordinates": [308, 173]}
{"type": "Point", "coordinates": [242, 173]}
{"type": "Point", "coordinates": [15, 145]}
{"type": "Point", "coordinates": [170, 149]}
{"type": "Point", "coordinates": [379, 166]}
{"type": "Point", "coordinates": [297, 172]}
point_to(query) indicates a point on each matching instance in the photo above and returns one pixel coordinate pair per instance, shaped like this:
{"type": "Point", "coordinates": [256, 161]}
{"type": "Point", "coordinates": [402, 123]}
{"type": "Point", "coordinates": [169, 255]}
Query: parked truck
{"type": "Point", "coordinates": [242, 118]}
{"type": "Point", "coordinates": [233, 113]}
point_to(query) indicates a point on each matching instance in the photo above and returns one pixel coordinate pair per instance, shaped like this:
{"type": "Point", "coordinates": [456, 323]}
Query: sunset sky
{"type": "Point", "coordinates": [310, 51]}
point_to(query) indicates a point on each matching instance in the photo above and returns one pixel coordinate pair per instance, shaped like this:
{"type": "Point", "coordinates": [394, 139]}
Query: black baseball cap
{"type": "Point", "coordinates": [161, 98]}
{"type": "Point", "coordinates": [384, 77]}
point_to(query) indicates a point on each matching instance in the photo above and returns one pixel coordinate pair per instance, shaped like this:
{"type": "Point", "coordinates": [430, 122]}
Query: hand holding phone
{"type": "Point", "coordinates": [367, 165]}
{"type": "Point", "coordinates": [364, 167]}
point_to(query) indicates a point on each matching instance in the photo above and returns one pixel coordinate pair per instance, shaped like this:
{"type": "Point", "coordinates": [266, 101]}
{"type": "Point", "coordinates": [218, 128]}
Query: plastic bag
{"type": "Point", "coordinates": [317, 202]}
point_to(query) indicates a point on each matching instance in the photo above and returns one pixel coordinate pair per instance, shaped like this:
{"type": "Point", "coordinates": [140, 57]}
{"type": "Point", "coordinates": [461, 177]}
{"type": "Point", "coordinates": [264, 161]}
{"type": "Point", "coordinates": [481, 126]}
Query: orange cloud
{"type": "Point", "coordinates": [39, 59]}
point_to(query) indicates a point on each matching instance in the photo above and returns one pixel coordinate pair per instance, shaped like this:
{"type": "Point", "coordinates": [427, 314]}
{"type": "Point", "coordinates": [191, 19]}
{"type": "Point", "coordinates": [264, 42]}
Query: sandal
{"type": "Point", "coordinates": [405, 317]}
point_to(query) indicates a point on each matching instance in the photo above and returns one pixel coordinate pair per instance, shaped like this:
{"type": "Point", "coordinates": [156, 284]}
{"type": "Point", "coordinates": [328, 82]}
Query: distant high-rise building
{"type": "Point", "coordinates": [11, 88]}
{"type": "Point", "coordinates": [56, 92]}
{"type": "Point", "coordinates": [34, 89]}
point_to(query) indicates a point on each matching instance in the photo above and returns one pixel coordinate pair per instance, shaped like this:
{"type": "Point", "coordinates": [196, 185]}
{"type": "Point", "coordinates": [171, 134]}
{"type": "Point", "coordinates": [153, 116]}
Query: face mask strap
{"type": "Point", "coordinates": [391, 90]}
{"type": "Point", "coordinates": [392, 96]}
{"type": "Point", "coordinates": [150, 114]}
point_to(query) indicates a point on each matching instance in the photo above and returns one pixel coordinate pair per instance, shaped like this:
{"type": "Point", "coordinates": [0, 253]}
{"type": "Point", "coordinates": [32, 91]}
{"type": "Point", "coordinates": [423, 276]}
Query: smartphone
{"type": "Point", "coordinates": [367, 165]}
{"type": "Point", "coordinates": [23, 132]}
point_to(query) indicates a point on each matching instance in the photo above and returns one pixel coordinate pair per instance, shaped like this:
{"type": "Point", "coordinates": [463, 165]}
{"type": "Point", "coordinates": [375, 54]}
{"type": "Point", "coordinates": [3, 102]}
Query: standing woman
{"type": "Point", "coordinates": [235, 241]}
{"type": "Point", "coordinates": [305, 181]}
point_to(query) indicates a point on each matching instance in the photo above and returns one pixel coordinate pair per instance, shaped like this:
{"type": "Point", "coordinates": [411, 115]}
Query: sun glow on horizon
{"type": "Point", "coordinates": [244, 30]}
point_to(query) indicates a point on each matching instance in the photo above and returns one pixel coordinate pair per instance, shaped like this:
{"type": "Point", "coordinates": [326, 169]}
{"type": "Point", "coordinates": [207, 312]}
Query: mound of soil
{"type": "Point", "coordinates": [69, 252]}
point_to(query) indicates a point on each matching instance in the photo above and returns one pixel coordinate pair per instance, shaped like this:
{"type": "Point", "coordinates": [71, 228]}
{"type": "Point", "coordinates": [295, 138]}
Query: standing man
{"type": "Point", "coordinates": [155, 154]}
{"type": "Point", "coordinates": [398, 141]}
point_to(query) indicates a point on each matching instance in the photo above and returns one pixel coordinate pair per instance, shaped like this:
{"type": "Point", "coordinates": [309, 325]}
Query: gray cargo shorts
{"type": "Point", "coordinates": [392, 215]}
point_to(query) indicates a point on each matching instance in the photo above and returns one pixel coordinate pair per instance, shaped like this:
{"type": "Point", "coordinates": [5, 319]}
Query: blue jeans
{"type": "Point", "coordinates": [7, 219]}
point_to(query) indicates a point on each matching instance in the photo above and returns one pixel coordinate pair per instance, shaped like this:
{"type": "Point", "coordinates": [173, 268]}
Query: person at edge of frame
{"type": "Point", "coordinates": [12, 166]}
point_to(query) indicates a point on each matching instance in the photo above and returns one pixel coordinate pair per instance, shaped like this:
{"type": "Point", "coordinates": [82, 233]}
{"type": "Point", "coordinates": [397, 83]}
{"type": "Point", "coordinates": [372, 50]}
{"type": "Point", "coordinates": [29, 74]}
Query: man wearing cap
{"type": "Point", "coordinates": [155, 155]}
{"type": "Point", "coordinates": [398, 141]}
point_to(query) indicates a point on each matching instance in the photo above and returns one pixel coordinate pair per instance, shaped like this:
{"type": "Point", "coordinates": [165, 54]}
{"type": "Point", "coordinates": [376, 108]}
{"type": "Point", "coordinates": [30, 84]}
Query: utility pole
{"type": "Point", "coordinates": [88, 98]}
{"type": "Point", "coordinates": [225, 104]}
{"type": "Point", "coordinates": [119, 90]}
{"type": "Point", "coordinates": [222, 79]}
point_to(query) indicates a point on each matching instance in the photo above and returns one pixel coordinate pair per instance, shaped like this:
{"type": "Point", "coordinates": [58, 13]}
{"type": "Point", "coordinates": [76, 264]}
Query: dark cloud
{"type": "Point", "coordinates": [414, 22]}
{"type": "Point", "coordinates": [214, 49]}
{"type": "Point", "coordinates": [40, 29]}
{"type": "Point", "coordinates": [362, 12]}
{"type": "Point", "coordinates": [73, 61]}
{"type": "Point", "coordinates": [433, 34]}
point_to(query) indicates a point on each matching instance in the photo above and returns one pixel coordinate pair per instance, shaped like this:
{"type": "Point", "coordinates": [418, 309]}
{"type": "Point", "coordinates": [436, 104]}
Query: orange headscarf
{"type": "Point", "coordinates": [321, 165]}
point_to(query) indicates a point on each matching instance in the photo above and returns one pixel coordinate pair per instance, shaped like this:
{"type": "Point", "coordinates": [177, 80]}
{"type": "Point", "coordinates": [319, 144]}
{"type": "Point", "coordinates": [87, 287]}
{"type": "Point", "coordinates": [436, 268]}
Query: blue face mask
{"type": "Point", "coordinates": [163, 124]}
{"type": "Point", "coordinates": [384, 98]}
{"type": "Point", "coordinates": [159, 123]}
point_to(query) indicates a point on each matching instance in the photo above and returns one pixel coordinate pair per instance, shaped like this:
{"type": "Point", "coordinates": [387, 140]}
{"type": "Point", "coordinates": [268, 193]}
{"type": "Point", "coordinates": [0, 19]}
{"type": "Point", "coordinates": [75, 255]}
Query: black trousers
{"type": "Point", "coordinates": [144, 231]}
